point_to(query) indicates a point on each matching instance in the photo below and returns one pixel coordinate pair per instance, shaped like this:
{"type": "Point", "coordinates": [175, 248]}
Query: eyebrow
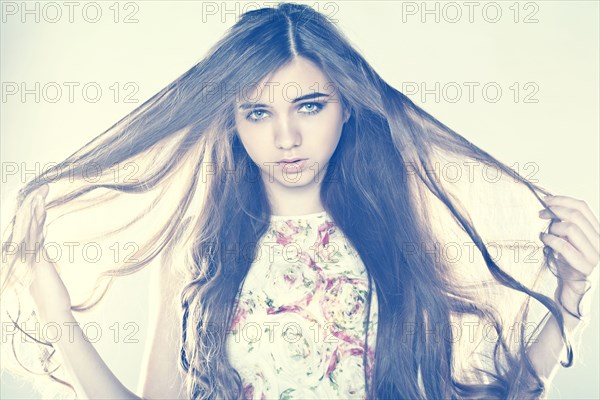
{"type": "Point", "coordinates": [246, 106]}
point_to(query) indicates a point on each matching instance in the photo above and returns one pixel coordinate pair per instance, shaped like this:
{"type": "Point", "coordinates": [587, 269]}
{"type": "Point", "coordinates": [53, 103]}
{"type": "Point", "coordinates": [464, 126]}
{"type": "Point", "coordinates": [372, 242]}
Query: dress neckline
{"type": "Point", "coordinates": [305, 216]}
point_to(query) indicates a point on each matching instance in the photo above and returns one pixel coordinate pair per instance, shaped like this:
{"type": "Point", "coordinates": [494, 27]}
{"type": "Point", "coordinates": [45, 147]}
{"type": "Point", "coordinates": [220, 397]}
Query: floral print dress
{"type": "Point", "coordinates": [300, 323]}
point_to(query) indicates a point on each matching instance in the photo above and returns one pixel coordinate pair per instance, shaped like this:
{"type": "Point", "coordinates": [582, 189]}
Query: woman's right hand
{"type": "Point", "coordinates": [46, 287]}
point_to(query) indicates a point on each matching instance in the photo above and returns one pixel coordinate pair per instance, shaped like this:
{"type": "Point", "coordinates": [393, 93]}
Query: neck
{"type": "Point", "coordinates": [294, 200]}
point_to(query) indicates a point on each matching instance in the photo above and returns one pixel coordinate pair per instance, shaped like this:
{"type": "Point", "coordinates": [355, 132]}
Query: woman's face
{"type": "Point", "coordinates": [293, 114]}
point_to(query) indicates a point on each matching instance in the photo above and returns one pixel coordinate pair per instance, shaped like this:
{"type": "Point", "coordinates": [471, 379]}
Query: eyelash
{"type": "Point", "coordinates": [319, 107]}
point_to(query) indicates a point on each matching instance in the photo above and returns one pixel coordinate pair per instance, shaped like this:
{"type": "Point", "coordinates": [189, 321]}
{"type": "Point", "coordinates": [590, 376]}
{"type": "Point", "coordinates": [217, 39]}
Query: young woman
{"type": "Point", "coordinates": [306, 212]}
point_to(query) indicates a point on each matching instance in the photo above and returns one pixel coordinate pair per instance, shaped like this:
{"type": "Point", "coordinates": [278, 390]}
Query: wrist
{"type": "Point", "coordinates": [573, 305]}
{"type": "Point", "coordinates": [58, 316]}
{"type": "Point", "coordinates": [571, 322]}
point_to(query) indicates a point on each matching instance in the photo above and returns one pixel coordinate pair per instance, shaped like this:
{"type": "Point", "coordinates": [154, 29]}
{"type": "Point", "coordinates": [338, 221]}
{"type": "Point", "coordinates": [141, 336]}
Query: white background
{"type": "Point", "coordinates": [556, 53]}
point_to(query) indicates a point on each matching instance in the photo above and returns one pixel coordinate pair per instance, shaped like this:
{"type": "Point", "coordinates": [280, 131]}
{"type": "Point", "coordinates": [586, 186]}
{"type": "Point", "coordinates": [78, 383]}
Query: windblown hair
{"type": "Point", "coordinates": [188, 127]}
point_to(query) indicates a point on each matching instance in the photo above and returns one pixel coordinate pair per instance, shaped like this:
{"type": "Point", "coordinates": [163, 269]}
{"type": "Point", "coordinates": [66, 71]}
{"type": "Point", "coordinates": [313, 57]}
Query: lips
{"type": "Point", "coordinates": [293, 165]}
{"type": "Point", "coordinates": [290, 160]}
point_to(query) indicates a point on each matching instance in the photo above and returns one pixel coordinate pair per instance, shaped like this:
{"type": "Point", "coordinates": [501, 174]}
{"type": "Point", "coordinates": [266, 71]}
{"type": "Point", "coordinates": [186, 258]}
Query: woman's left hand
{"type": "Point", "coordinates": [574, 235]}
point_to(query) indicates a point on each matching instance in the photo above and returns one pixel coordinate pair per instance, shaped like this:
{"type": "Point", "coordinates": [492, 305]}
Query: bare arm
{"type": "Point", "coordinates": [92, 377]}
{"type": "Point", "coordinates": [89, 374]}
{"type": "Point", "coordinates": [161, 378]}
{"type": "Point", "coordinates": [574, 239]}
{"type": "Point", "coordinates": [545, 353]}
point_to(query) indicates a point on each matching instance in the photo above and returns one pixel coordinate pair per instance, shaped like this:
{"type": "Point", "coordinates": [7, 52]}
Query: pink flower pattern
{"type": "Point", "coordinates": [299, 328]}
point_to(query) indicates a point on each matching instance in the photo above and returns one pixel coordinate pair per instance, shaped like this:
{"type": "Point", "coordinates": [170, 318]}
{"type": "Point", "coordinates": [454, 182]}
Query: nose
{"type": "Point", "coordinates": [287, 134]}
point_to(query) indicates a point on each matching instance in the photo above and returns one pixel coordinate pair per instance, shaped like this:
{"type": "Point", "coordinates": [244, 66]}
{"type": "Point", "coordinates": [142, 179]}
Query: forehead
{"type": "Point", "coordinates": [297, 78]}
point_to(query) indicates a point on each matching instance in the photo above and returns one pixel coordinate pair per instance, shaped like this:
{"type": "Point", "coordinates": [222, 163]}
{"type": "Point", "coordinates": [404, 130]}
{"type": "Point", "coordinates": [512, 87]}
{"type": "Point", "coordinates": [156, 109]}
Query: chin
{"type": "Point", "coordinates": [295, 182]}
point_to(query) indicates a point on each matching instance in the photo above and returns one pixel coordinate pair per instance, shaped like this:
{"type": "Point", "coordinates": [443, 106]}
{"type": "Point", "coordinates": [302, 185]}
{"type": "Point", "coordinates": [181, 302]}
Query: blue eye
{"type": "Point", "coordinates": [253, 117]}
{"type": "Point", "coordinates": [260, 114]}
{"type": "Point", "coordinates": [315, 107]}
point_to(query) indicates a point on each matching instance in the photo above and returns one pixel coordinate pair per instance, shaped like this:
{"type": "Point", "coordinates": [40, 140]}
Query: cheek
{"type": "Point", "coordinates": [328, 131]}
{"type": "Point", "coordinates": [254, 147]}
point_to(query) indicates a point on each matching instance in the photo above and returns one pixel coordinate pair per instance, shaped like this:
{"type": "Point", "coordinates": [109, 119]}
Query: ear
{"type": "Point", "coordinates": [346, 116]}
